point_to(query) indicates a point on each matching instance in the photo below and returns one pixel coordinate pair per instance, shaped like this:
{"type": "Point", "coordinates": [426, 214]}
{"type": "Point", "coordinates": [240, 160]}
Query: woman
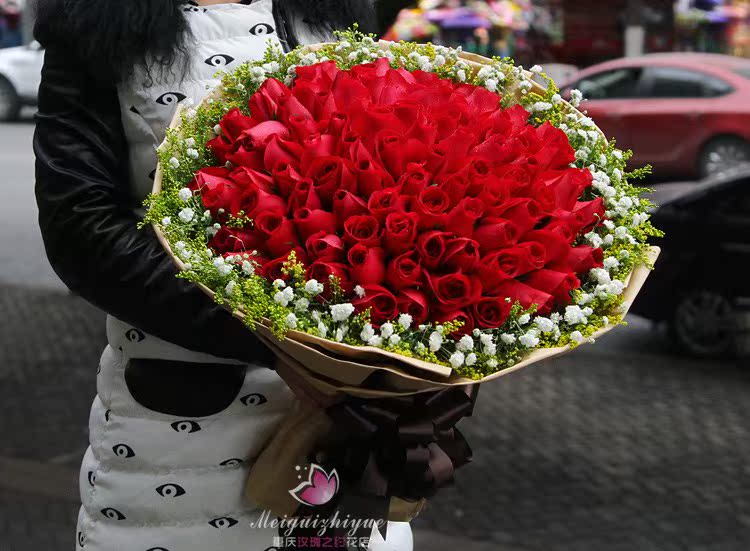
{"type": "Point", "coordinates": [185, 396]}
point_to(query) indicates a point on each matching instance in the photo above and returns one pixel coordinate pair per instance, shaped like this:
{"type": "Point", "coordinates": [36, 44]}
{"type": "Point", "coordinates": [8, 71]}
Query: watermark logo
{"type": "Point", "coordinates": [319, 488]}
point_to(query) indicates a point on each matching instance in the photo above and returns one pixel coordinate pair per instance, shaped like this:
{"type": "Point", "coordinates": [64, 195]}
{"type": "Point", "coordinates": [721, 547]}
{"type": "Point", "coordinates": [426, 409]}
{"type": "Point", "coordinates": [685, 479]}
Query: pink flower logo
{"type": "Point", "coordinates": [319, 488]}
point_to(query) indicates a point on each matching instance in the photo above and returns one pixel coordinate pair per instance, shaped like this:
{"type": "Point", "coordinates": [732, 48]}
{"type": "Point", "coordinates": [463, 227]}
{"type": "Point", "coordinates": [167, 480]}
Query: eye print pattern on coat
{"type": "Point", "coordinates": [194, 9]}
{"type": "Point", "coordinates": [81, 539]}
{"type": "Point", "coordinates": [107, 415]}
{"type": "Point", "coordinates": [223, 523]}
{"type": "Point", "coordinates": [113, 514]}
{"type": "Point", "coordinates": [170, 490]}
{"type": "Point", "coordinates": [253, 400]}
{"type": "Point", "coordinates": [231, 463]}
{"type": "Point", "coordinates": [123, 451]}
{"type": "Point", "coordinates": [92, 478]}
{"type": "Point", "coordinates": [170, 98]}
{"type": "Point", "coordinates": [262, 29]}
{"type": "Point", "coordinates": [133, 335]}
{"type": "Point", "coordinates": [185, 427]}
{"type": "Point", "coordinates": [219, 60]}
{"type": "Point", "coordinates": [158, 549]}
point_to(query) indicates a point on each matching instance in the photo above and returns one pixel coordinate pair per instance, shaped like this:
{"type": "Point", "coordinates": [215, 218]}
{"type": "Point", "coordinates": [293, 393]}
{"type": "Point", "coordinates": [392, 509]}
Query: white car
{"type": "Point", "coordinates": [20, 75]}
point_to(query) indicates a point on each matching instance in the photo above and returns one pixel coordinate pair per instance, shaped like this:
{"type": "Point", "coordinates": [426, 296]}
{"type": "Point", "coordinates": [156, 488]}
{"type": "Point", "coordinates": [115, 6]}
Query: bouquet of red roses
{"type": "Point", "coordinates": [393, 220]}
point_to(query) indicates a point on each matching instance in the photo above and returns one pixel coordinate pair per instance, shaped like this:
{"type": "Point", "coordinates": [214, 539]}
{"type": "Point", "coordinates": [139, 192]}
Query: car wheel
{"type": "Point", "coordinates": [10, 103]}
{"type": "Point", "coordinates": [703, 323]}
{"type": "Point", "coordinates": [723, 153]}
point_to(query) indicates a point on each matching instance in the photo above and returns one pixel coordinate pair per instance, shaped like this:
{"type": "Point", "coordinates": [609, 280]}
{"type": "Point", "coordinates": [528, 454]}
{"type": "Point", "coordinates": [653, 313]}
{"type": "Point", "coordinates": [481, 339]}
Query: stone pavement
{"type": "Point", "coordinates": [619, 447]}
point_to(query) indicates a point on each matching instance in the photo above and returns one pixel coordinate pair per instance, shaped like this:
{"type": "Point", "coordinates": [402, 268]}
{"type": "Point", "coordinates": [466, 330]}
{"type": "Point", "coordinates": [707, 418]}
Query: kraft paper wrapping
{"type": "Point", "coordinates": [320, 372]}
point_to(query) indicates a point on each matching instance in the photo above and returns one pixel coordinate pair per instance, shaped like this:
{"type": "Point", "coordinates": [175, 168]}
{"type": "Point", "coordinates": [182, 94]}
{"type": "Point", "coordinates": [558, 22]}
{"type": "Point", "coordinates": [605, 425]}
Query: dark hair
{"type": "Point", "coordinates": [116, 35]}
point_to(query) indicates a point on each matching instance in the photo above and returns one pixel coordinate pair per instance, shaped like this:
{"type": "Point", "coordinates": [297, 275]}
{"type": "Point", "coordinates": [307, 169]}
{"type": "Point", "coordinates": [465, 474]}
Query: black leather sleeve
{"type": "Point", "coordinates": [89, 228]}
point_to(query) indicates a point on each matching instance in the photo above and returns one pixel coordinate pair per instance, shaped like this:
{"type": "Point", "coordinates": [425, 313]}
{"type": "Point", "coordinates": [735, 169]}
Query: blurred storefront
{"type": "Point", "coordinates": [718, 26]}
{"type": "Point", "coordinates": [11, 23]}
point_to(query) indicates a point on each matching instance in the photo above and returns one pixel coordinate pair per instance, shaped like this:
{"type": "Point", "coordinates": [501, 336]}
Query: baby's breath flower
{"type": "Point", "coordinates": [405, 321]}
{"type": "Point", "coordinates": [465, 344]}
{"type": "Point", "coordinates": [291, 321]}
{"type": "Point", "coordinates": [368, 332]}
{"type": "Point", "coordinates": [313, 287]}
{"type": "Point", "coordinates": [523, 320]}
{"type": "Point", "coordinates": [457, 359]}
{"type": "Point", "coordinates": [359, 291]}
{"type": "Point", "coordinates": [166, 221]}
{"type": "Point", "coordinates": [435, 341]}
{"type": "Point", "coordinates": [576, 336]}
{"type": "Point", "coordinates": [187, 215]}
{"type": "Point", "coordinates": [386, 330]}
{"type": "Point", "coordinates": [279, 283]}
{"type": "Point", "coordinates": [507, 338]}
{"type": "Point", "coordinates": [529, 340]}
{"type": "Point", "coordinates": [471, 359]}
{"type": "Point", "coordinates": [341, 312]}
{"type": "Point", "coordinates": [185, 194]}
{"type": "Point", "coordinates": [248, 268]}
{"type": "Point", "coordinates": [174, 162]}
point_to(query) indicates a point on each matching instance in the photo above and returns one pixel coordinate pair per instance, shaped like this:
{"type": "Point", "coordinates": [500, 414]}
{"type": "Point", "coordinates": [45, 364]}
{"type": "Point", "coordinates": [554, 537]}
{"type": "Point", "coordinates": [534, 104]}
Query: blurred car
{"type": "Point", "coordinates": [20, 75]}
{"type": "Point", "coordinates": [700, 284]}
{"type": "Point", "coordinates": [687, 115]}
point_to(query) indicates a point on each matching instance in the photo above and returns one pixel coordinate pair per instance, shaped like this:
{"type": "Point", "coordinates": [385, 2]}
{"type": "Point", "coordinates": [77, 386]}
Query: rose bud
{"type": "Point", "coordinates": [455, 187]}
{"type": "Point", "coordinates": [280, 152]}
{"type": "Point", "coordinates": [362, 229]}
{"type": "Point", "coordinates": [443, 315]}
{"type": "Point", "coordinates": [317, 145]}
{"type": "Point", "coordinates": [496, 233]}
{"type": "Point", "coordinates": [248, 177]}
{"type": "Point", "coordinates": [217, 191]}
{"type": "Point", "coordinates": [366, 265]}
{"type": "Point", "coordinates": [346, 205]}
{"type": "Point", "coordinates": [310, 222]}
{"type": "Point", "coordinates": [432, 206]}
{"type": "Point", "coordinates": [331, 174]}
{"type": "Point", "coordinates": [461, 253]}
{"type": "Point", "coordinates": [555, 246]}
{"type": "Point", "coordinates": [567, 185]}
{"type": "Point", "coordinates": [432, 247]}
{"type": "Point", "coordinates": [491, 312]}
{"type": "Point", "coordinates": [524, 213]}
{"type": "Point", "coordinates": [245, 156]}
{"type": "Point", "coordinates": [322, 271]}
{"type": "Point", "coordinates": [526, 295]}
{"type": "Point", "coordinates": [556, 151]}
{"type": "Point", "coordinates": [384, 202]}
{"type": "Point", "coordinates": [589, 214]}
{"type": "Point", "coordinates": [454, 291]}
{"type": "Point", "coordinates": [405, 271]}
{"type": "Point", "coordinates": [304, 197]}
{"type": "Point", "coordinates": [234, 123]}
{"type": "Point", "coordinates": [286, 178]}
{"type": "Point", "coordinates": [414, 303]}
{"type": "Point", "coordinates": [371, 177]}
{"type": "Point", "coordinates": [400, 232]}
{"type": "Point", "coordinates": [325, 246]}
{"type": "Point", "coordinates": [581, 259]}
{"type": "Point", "coordinates": [464, 216]}
{"type": "Point", "coordinates": [261, 134]}
{"type": "Point", "coordinates": [380, 301]}
{"type": "Point", "coordinates": [264, 104]}
{"type": "Point", "coordinates": [255, 201]}
{"type": "Point", "coordinates": [273, 269]}
{"type": "Point", "coordinates": [280, 237]}
{"type": "Point", "coordinates": [415, 180]}
{"type": "Point", "coordinates": [235, 240]}
{"type": "Point", "coordinates": [557, 284]}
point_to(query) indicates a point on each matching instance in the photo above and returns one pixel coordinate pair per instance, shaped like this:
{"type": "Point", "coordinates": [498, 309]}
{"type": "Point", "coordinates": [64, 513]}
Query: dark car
{"type": "Point", "coordinates": [687, 115]}
{"type": "Point", "coordinates": [701, 285]}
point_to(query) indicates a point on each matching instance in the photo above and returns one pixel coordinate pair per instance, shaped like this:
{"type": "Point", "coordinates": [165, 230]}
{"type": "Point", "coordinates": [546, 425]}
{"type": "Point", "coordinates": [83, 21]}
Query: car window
{"type": "Point", "coordinates": [673, 82]}
{"type": "Point", "coordinates": [614, 84]}
{"type": "Point", "coordinates": [742, 71]}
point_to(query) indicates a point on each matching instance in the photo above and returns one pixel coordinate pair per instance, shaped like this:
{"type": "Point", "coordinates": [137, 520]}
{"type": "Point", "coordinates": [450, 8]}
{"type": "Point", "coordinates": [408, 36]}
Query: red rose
{"type": "Point", "coordinates": [346, 205]}
{"type": "Point", "coordinates": [280, 152]}
{"type": "Point", "coordinates": [405, 271]}
{"type": "Point", "coordinates": [234, 123]}
{"type": "Point", "coordinates": [491, 312]}
{"type": "Point", "coordinates": [216, 190]}
{"type": "Point", "coordinates": [286, 178]}
{"type": "Point", "coordinates": [235, 240]}
{"type": "Point", "coordinates": [431, 247]}
{"type": "Point", "coordinates": [512, 262]}
{"type": "Point", "coordinates": [496, 233]}
{"type": "Point", "coordinates": [384, 202]}
{"type": "Point", "coordinates": [249, 177]}
{"type": "Point", "coordinates": [580, 260]}
{"type": "Point", "coordinates": [464, 216]}
{"type": "Point", "coordinates": [589, 213]}
{"type": "Point", "coordinates": [264, 104]}
{"type": "Point", "coordinates": [556, 151]}
{"type": "Point", "coordinates": [322, 271]}
{"type": "Point", "coordinates": [526, 295]}
{"type": "Point", "coordinates": [380, 301]}
{"type": "Point", "coordinates": [432, 206]}
{"type": "Point", "coordinates": [259, 135]}
{"type": "Point", "coordinates": [304, 196]}
{"type": "Point", "coordinates": [557, 284]}
{"type": "Point", "coordinates": [454, 291]}
{"type": "Point", "coordinates": [555, 246]}
{"type": "Point", "coordinates": [414, 180]}
{"type": "Point", "coordinates": [278, 231]}
{"type": "Point", "coordinates": [367, 265]}
{"type": "Point", "coordinates": [524, 213]}
{"type": "Point", "coordinates": [371, 177]}
{"type": "Point", "coordinates": [414, 303]}
{"type": "Point", "coordinates": [461, 254]}
{"type": "Point", "coordinates": [567, 185]}
{"type": "Point", "coordinates": [254, 201]}
{"type": "Point", "coordinates": [273, 269]}
{"type": "Point", "coordinates": [400, 232]}
{"type": "Point", "coordinates": [443, 315]}
{"type": "Point", "coordinates": [396, 152]}
{"type": "Point", "coordinates": [310, 222]}
{"type": "Point", "coordinates": [456, 187]}
{"type": "Point", "coordinates": [325, 246]}
{"type": "Point", "coordinates": [362, 229]}
{"type": "Point", "coordinates": [331, 174]}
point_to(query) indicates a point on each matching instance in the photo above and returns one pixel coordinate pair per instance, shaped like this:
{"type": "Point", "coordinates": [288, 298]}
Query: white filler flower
{"type": "Point", "coordinates": [341, 312]}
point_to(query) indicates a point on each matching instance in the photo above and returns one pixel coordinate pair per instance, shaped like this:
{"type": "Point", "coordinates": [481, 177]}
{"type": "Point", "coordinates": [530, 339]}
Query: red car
{"type": "Point", "coordinates": [687, 115]}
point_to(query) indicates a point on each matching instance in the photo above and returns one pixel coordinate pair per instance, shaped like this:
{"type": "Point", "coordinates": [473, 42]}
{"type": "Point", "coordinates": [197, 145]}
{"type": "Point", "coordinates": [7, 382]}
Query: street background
{"type": "Point", "coordinates": [628, 445]}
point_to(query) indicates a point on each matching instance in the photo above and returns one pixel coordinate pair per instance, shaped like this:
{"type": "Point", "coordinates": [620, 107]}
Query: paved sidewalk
{"type": "Point", "coordinates": [621, 447]}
